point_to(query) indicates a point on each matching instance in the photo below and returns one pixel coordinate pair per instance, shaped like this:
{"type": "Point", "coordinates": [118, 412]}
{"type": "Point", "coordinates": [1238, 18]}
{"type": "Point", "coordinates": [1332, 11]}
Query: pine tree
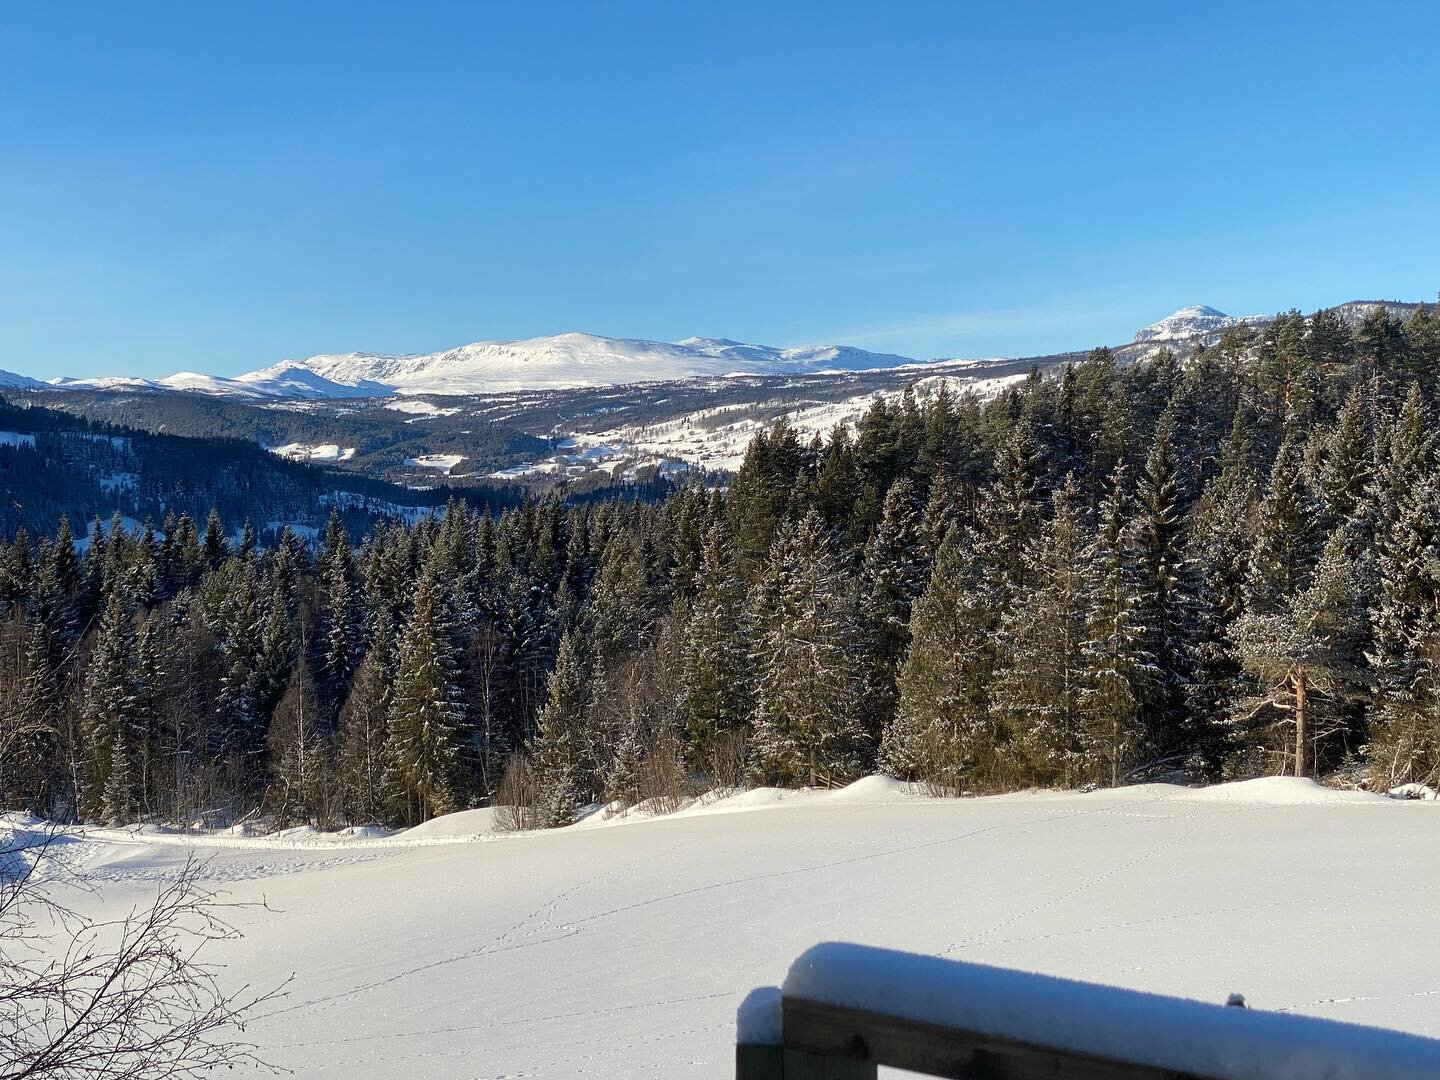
{"type": "Point", "coordinates": [809, 667]}
{"type": "Point", "coordinates": [1309, 646]}
{"type": "Point", "coordinates": [426, 715]}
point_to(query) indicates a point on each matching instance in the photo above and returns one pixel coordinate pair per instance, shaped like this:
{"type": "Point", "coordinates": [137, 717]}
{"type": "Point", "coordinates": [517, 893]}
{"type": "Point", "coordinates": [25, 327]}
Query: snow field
{"type": "Point", "coordinates": [622, 946]}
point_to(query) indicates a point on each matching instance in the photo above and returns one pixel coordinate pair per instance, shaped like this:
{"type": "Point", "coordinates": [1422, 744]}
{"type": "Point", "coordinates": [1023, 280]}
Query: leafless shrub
{"type": "Point", "coordinates": [662, 776]}
{"type": "Point", "coordinates": [725, 762]}
{"type": "Point", "coordinates": [120, 1000]}
{"type": "Point", "coordinates": [515, 796]}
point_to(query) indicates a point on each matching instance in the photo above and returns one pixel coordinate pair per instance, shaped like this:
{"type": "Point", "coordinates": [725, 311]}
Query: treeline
{"type": "Point", "coordinates": [1219, 568]}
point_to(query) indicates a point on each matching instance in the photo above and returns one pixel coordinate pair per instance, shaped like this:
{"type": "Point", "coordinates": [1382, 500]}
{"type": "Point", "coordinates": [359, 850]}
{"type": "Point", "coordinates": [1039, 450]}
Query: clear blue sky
{"type": "Point", "coordinates": [217, 186]}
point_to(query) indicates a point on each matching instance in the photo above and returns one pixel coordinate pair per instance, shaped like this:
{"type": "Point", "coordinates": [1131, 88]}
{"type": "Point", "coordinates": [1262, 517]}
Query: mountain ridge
{"type": "Point", "coordinates": [575, 360]}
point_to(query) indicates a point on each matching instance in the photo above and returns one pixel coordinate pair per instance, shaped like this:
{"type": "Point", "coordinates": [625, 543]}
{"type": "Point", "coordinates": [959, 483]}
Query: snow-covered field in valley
{"type": "Point", "coordinates": [622, 950]}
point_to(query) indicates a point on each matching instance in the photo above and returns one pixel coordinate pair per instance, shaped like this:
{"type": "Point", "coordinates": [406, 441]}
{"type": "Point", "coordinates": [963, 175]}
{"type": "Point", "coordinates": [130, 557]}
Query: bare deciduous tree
{"type": "Point", "coordinates": [132, 998]}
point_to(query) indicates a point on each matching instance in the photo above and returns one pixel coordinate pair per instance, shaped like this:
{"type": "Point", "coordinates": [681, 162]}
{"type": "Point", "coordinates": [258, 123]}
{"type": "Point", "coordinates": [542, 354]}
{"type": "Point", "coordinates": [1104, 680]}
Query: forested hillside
{"type": "Point", "coordinates": [54, 464]}
{"type": "Point", "coordinates": [1221, 567]}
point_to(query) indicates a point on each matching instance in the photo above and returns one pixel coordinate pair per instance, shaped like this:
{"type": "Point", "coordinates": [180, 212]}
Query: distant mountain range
{"type": "Point", "coordinates": [588, 360]}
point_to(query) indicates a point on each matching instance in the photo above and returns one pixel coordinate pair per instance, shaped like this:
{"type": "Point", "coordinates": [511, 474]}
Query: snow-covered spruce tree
{"type": "Point", "coordinates": [554, 754]}
{"type": "Point", "coordinates": [622, 777]}
{"type": "Point", "coordinates": [1404, 743]}
{"type": "Point", "coordinates": [426, 713]}
{"type": "Point", "coordinates": [1285, 534]}
{"type": "Point", "coordinates": [1307, 647]}
{"type": "Point", "coordinates": [1222, 534]}
{"type": "Point", "coordinates": [715, 676]}
{"type": "Point", "coordinates": [1407, 559]}
{"type": "Point", "coordinates": [363, 731]}
{"type": "Point", "coordinates": [1346, 468]}
{"type": "Point", "coordinates": [809, 666]}
{"type": "Point", "coordinates": [1117, 665]}
{"type": "Point", "coordinates": [1010, 510]}
{"type": "Point", "coordinates": [215, 550]}
{"type": "Point", "coordinates": [107, 717]}
{"type": "Point", "coordinates": [1169, 609]}
{"type": "Point", "coordinates": [897, 563]}
{"type": "Point", "coordinates": [620, 608]}
{"type": "Point", "coordinates": [943, 733]}
{"type": "Point", "coordinates": [1039, 685]}
{"type": "Point", "coordinates": [341, 644]}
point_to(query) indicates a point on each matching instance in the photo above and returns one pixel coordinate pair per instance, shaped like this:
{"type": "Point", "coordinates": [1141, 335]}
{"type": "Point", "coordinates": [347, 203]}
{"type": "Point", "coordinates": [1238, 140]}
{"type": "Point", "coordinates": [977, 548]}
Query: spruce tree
{"type": "Point", "coordinates": [1039, 687]}
{"type": "Point", "coordinates": [1285, 540]}
{"type": "Point", "coordinates": [942, 732]}
{"type": "Point", "coordinates": [554, 753]}
{"type": "Point", "coordinates": [896, 566]}
{"type": "Point", "coordinates": [809, 667]}
{"type": "Point", "coordinates": [426, 714]}
{"type": "Point", "coordinates": [715, 675]}
{"type": "Point", "coordinates": [1168, 609]}
{"type": "Point", "coordinates": [107, 717]}
{"type": "Point", "coordinates": [1117, 665]}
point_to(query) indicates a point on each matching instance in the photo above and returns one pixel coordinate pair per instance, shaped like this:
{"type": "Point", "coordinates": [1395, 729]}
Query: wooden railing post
{"type": "Point", "coordinates": [848, 1009]}
{"type": "Point", "coordinates": [760, 1053]}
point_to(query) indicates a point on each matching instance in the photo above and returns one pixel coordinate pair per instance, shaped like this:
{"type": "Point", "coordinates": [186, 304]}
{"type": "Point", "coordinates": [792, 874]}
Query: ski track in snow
{"type": "Point", "coordinates": [623, 951]}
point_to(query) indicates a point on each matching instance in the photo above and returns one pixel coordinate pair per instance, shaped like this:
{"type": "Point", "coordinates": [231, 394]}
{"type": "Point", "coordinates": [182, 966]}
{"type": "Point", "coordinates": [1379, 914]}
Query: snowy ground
{"type": "Point", "coordinates": [622, 949]}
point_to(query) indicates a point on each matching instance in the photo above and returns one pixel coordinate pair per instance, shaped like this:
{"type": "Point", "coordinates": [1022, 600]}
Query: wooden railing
{"type": "Point", "coordinates": [846, 1010]}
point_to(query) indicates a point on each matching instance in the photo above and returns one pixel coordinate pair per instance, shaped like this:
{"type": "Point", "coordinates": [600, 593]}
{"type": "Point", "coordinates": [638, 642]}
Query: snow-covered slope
{"type": "Point", "coordinates": [18, 382]}
{"type": "Point", "coordinates": [623, 951]}
{"type": "Point", "coordinates": [294, 380]}
{"type": "Point", "coordinates": [568, 360]}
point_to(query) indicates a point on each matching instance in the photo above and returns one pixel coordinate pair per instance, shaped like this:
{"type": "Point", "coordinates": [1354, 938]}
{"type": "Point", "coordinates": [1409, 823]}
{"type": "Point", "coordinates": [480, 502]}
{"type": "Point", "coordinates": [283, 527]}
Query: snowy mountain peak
{"type": "Point", "coordinates": [1188, 322]}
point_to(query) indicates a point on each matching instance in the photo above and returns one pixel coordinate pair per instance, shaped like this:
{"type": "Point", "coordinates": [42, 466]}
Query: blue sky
{"type": "Point", "coordinates": [218, 186]}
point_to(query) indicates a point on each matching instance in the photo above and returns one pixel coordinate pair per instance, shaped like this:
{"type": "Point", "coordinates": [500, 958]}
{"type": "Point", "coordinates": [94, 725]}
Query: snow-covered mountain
{"type": "Point", "coordinates": [18, 382]}
{"type": "Point", "coordinates": [561, 361]}
{"type": "Point", "coordinates": [1192, 322]}
{"type": "Point", "coordinates": [575, 360]}
{"type": "Point", "coordinates": [286, 380]}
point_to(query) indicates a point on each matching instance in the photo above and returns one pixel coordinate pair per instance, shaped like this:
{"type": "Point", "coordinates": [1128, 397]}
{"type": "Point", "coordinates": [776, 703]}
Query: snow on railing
{"type": "Point", "coordinates": [846, 1009]}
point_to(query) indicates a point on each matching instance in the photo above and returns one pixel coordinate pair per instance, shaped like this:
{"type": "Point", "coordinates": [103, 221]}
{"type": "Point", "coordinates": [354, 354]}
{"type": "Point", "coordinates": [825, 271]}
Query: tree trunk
{"type": "Point", "coordinates": [1297, 677]}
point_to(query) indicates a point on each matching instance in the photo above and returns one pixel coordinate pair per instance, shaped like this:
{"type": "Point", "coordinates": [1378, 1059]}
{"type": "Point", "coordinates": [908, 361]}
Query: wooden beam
{"type": "Point", "coordinates": [859, 1037]}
